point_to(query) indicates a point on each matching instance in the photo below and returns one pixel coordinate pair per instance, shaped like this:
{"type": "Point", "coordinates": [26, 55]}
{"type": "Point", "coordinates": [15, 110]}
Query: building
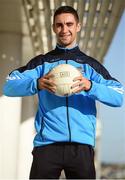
{"type": "Point", "coordinates": [24, 33]}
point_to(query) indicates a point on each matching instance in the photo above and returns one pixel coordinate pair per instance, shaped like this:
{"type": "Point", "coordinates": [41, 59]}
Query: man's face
{"type": "Point", "coordinates": [66, 27]}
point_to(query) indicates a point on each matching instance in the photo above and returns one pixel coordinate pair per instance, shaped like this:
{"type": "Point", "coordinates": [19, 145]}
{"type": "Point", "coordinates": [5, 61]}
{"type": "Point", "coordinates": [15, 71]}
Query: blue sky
{"type": "Point", "coordinates": [113, 119]}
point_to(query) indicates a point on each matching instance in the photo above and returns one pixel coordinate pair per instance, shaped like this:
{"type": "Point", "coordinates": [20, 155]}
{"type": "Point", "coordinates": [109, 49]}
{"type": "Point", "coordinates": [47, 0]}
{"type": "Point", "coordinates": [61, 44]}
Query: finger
{"type": "Point", "coordinates": [51, 90]}
{"type": "Point", "coordinates": [79, 84]}
{"type": "Point", "coordinates": [75, 85]}
{"type": "Point", "coordinates": [49, 75]}
{"type": "Point", "coordinates": [80, 87]}
{"type": "Point", "coordinates": [49, 82]}
{"type": "Point", "coordinates": [78, 78]}
{"type": "Point", "coordinates": [46, 84]}
{"type": "Point", "coordinates": [76, 90]}
{"type": "Point", "coordinates": [48, 88]}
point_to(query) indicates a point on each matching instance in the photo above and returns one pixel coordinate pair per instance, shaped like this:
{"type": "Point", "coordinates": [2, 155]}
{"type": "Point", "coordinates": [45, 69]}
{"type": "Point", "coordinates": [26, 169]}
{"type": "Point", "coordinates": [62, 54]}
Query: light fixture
{"type": "Point", "coordinates": [40, 5]}
{"type": "Point", "coordinates": [31, 21]}
{"type": "Point", "coordinates": [75, 5]}
{"type": "Point", "coordinates": [87, 5]}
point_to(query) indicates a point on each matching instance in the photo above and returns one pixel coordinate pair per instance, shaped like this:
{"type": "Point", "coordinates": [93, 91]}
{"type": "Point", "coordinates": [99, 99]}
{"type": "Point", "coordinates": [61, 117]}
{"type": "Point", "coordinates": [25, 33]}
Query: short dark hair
{"type": "Point", "coordinates": [66, 9]}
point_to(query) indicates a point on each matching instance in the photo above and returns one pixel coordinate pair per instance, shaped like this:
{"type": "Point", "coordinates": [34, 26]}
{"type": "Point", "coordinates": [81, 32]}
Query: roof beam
{"type": "Point", "coordinates": [118, 8]}
{"type": "Point", "coordinates": [88, 29]}
{"type": "Point", "coordinates": [47, 15]}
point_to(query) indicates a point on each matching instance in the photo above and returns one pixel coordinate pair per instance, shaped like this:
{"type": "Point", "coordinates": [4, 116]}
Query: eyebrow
{"type": "Point", "coordinates": [69, 22]}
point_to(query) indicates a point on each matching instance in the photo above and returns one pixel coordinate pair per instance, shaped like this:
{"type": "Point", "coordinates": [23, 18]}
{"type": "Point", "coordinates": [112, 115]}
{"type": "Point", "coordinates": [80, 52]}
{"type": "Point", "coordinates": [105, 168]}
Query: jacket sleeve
{"type": "Point", "coordinates": [23, 81]}
{"type": "Point", "coordinates": [105, 88]}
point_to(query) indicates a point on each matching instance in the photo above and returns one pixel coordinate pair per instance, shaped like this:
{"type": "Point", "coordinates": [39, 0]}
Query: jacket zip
{"type": "Point", "coordinates": [67, 111]}
{"type": "Point", "coordinates": [42, 127]}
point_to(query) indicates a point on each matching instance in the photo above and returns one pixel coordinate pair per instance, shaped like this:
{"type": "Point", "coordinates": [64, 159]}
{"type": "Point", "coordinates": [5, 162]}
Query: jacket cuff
{"type": "Point", "coordinates": [90, 86]}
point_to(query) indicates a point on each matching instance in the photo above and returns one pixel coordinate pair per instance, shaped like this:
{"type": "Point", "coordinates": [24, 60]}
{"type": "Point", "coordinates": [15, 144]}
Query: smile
{"type": "Point", "coordinates": [64, 36]}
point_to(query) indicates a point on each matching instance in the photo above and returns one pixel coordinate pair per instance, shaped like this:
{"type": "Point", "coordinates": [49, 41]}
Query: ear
{"type": "Point", "coordinates": [53, 26]}
{"type": "Point", "coordinates": [78, 27]}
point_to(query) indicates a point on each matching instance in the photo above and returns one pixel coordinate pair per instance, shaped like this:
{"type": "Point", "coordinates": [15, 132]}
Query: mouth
{"type": "Point", "coordinates": [64, 35]}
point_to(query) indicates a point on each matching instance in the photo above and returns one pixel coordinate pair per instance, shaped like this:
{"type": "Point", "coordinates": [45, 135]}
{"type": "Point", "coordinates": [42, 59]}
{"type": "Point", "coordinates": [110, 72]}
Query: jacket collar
{"type": "Point", "coordinates": [65, 50]}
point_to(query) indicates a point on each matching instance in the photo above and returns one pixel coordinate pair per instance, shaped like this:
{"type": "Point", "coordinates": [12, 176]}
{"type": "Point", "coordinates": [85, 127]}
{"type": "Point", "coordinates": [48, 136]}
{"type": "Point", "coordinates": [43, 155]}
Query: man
{"type": "Point", "coordinates": [65, 126]}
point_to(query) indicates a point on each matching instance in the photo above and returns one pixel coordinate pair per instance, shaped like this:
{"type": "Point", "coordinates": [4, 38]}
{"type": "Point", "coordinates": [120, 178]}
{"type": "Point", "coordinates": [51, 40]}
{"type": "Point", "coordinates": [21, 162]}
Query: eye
{"type": "Point", "coordinates": [58, 25]}
{"type": "Point", "coordinates": [69, 24]}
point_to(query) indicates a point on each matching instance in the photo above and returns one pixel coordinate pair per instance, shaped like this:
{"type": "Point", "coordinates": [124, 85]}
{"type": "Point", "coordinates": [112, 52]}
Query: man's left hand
{"type": "Point", "coordinates": [81, 84]}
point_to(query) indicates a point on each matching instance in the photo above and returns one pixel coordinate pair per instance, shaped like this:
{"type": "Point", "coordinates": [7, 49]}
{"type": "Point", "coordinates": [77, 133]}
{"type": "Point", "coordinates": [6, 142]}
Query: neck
{"type": "Point", "coordinates": [67, 47]}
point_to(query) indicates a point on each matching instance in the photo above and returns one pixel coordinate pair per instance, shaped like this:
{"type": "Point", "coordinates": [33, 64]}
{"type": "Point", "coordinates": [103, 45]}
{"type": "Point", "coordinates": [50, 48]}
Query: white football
{"type": "Point", "coordinates": [63, 76]}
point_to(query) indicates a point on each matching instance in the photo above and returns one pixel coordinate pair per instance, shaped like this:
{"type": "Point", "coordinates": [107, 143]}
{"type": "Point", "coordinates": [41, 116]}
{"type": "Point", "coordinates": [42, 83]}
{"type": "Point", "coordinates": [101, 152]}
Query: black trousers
{"type": "Point", "coordinates": [77, 161]}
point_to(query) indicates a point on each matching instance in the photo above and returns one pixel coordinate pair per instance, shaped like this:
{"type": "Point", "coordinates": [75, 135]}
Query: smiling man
{"type": "Point", "coordinates": [66, 26]}
{"type": "Point", "coordinates": [65, 126]}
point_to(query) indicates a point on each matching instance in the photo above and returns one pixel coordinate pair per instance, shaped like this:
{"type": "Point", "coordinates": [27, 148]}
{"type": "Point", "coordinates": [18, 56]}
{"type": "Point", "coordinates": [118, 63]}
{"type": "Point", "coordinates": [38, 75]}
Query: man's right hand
{"type": "Point", "coordinates": [46, 82]}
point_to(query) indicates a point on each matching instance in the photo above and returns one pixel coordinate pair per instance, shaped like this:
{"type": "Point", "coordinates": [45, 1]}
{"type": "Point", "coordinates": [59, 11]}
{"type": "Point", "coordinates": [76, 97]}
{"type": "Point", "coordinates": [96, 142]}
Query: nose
{"type": "Point", "coordinates": [64, 29]}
